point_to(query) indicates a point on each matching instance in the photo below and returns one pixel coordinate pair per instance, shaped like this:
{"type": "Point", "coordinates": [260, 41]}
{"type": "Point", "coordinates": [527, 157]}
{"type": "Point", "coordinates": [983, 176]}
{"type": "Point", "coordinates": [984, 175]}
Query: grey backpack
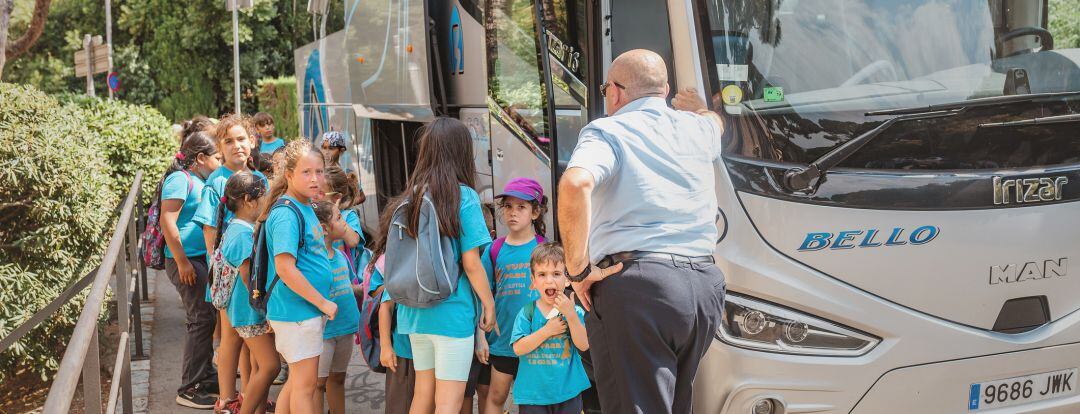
{"type": "Point", "coordinates": [420, 272]}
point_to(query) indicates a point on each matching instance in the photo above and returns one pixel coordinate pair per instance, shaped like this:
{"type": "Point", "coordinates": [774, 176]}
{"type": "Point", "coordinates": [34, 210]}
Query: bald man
{"type": "Point", "coordinates": [637, 210]}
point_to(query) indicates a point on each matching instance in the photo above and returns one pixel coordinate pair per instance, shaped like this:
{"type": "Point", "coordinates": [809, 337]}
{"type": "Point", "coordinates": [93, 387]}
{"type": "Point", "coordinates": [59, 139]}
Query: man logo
{"type": "Point", "coordinates": [457, 44]}
{"type": "Point", "coordinates": [1023, 272]}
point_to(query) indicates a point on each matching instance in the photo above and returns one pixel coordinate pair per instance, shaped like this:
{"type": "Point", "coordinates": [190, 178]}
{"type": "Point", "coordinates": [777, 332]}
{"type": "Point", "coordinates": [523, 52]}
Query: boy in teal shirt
{"type": "Point", "coordinates": [548, 335]}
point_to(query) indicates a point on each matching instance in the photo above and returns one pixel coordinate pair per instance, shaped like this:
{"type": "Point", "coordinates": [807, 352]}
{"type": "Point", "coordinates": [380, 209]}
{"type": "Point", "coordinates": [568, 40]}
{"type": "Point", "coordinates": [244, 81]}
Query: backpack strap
{"type": "Point", "coordinates": [493, 254]}
{"type": "Point", "coordinates": [303, 226]}
{"type": "Point", "coordinates": [497, 245]}
{"type": "Point", "coordinates": [530, 309]}
{"type": "Point", "coordinates": [190, 183]}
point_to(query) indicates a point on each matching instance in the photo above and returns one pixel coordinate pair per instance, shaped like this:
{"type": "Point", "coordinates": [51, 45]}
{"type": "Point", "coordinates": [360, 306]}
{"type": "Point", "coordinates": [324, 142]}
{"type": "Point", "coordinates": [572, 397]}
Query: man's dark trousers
{"type": "Point", "coordinates": [200, 319]}
{"type": "Point", "coordinates": [649, 328]}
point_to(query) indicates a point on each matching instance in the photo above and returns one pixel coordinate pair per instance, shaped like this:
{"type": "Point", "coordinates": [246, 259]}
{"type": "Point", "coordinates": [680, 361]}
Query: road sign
{"type": "Point", "coordinates": [101, 60]}
{"type": "Point", "coordinates": [243, 4]}
{"type": "Point", "coordinates": [113, 81]}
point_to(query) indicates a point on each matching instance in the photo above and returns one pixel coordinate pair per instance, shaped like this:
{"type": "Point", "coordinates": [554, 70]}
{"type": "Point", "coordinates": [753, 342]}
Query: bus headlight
{"type": "Point", "coordinates": [762, 326]}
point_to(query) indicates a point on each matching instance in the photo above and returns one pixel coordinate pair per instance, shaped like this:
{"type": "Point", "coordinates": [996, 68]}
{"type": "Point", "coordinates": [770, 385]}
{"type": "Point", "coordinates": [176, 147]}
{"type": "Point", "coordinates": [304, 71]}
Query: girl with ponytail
{"type": "Point", "coordinates": [185, 260]}
{"type": "Point", "coordinates": [298, 306]}
{"type": "Point", "coordinates": [241, 326]}
{"type": "Point", "coordinates": [507, 263]}
{"type": "Point", "coordinates": [233, 138]}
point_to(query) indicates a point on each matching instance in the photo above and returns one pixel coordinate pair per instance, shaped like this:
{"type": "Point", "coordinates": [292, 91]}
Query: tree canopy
{"type": "Point", "coordinates": [173, 55]}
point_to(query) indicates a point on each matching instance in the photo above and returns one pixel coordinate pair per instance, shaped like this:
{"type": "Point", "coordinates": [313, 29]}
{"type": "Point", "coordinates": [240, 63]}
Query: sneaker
{"type": "Point", "coordinates": [195, 398]}
{"type": "Point", "coordinates": [210, 388]}
{"type": "Point", "coordinates": [227, 407]}
{"type": "Point", "coordinates": [282, 376]}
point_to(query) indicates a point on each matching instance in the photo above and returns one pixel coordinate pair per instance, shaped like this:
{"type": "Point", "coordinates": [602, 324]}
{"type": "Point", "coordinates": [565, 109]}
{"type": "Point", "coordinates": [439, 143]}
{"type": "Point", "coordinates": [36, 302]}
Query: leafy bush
{"type": "Point", "coordinates": [67, 163]}
{"type": "Point", "coordinates": [1065, 23]}
{"type": "Point", "coordinates": [277, 97]}
{"type": "Point", "coordinates": [133, 138]}
{"type": "Point", "coordinates": [55, 201]}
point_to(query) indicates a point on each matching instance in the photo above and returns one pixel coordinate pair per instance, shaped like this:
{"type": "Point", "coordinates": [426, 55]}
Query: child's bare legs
{"type": "Point", "coordinates": [423, 401]}
{"type": "Point", "coordinates": [335, 393]}
{"type": "Point", "coordinates": [466, 405]}
{"type": "Point", "coordinates": [319, 399]}
{"type": "Point", "coordinates": [228, 357]}
{"type": "Point", "coordinates": [264, 369]}
{"type": "Point", "coordinates": [284, 399]}
{"type": "Point", "coordinates": [449, 395]}
{"type": "Point", "coordinates": [302, 384]}
{"type": "Point", "coordinates": [245, 365]}
{"type": "Point", "coordinates": [497, 392]}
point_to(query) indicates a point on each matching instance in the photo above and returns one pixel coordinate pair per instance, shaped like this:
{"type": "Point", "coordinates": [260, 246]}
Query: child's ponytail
{"type": "Point", "coordinates": [541, 207]}
{"type": "Point", "coordinates": [242, 186]}
{"type": "Point", "coordinates": [195, 144]}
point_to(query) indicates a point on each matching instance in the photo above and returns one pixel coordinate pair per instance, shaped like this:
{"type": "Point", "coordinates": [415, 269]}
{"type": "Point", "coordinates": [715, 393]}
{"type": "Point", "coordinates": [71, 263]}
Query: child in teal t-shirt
{"type": "Point", "coordinates": [264, 131]}
{"type": "Point", "coordinates": [338, 336]}
{"type": "Point", "coordinates": [548, 335]}
{"type": "Point", "coordinates": [298, 305]}
{"type": "Point", "coordinates": [395, 351]}
{"type": "Point", "coordinates": [242, 193]}
{"type": "Point", "coordinates": [180, 194]}
{"type": "Point", "coordinates": [235, 145]}
{"type": "Point", "coordinates": [522, 205]}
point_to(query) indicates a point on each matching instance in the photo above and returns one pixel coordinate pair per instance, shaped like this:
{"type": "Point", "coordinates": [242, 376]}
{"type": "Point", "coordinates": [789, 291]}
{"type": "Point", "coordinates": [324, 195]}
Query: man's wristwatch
{"type": "Point", "coordinates": [584, 274]}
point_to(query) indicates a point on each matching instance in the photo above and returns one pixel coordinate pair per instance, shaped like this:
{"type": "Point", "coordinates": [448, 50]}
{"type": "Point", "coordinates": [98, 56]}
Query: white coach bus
{"type": "Point", "coordinates": [898, 193]}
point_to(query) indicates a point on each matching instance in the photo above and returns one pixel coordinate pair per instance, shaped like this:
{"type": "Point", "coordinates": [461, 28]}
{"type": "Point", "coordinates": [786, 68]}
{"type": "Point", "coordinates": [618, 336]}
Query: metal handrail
{"type": "Point", "coordinates": [82, 355]}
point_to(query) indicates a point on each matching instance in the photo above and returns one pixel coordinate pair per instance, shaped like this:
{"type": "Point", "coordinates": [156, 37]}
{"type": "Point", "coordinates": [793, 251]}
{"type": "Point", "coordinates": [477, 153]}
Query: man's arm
{"type": "Point", "coordinates": [575, 213]}
{"type": "Point", "coordinates": [688, 100]}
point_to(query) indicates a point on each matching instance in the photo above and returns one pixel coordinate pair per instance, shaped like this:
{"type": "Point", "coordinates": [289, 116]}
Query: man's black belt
{"type": "Point", "coordinates": [675, 259]}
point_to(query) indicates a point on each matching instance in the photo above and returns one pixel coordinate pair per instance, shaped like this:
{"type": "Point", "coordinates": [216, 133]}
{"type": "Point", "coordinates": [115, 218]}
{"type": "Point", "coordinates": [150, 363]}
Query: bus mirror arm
{"type": "Point", "coordinates": [805, 180]}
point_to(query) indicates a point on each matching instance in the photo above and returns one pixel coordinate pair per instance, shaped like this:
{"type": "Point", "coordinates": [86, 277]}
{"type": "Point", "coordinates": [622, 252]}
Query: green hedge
{"type": "Point", "coordinates": [133, 138]}
{"type": "Point", "coordinates": [277, 97]}
{"type": "Point", "coordinates": [64, 169]}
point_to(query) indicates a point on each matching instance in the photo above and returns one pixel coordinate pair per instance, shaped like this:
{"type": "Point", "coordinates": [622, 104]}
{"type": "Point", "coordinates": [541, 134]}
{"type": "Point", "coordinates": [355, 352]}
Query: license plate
{"type": "Point", "coordinates": [1021, 390]}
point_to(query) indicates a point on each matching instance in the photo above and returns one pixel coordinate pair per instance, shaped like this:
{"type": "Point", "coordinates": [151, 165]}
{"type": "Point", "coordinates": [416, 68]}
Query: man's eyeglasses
{"type": "Point", "coordinates": [604, 87]}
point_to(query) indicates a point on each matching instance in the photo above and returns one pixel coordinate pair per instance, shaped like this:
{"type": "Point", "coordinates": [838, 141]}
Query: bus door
{"type": "Point", "coordinates": [568, 32]}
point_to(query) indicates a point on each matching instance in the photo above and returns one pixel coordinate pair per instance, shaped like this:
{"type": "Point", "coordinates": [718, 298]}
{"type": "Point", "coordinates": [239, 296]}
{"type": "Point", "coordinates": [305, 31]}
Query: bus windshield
{"type": "Point", "coordinates": [836, 60]}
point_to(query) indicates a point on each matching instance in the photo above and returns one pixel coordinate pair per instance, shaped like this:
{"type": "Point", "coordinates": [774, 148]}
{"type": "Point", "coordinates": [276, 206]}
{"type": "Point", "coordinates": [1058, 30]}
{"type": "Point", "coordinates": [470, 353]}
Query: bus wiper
{"type": "Point", "coordinates": [973, 103]}
{"type": "Point", "coordinates": [1042, 120]}
{"type": "Point", "coordinates": [802, 179]}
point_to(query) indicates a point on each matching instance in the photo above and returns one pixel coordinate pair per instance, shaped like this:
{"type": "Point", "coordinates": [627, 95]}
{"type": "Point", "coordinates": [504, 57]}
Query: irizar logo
{"type": "Point", "coordinates": [1028, 190]}
{"type": "Point", "coordinates": [851, 239]}
{"type": "Point", "coordinates": [1023, 272]}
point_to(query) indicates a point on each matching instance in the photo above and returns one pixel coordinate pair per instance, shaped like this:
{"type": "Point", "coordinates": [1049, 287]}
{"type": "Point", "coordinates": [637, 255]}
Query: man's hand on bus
{"type": "Point", "coordinates": [688, 100]}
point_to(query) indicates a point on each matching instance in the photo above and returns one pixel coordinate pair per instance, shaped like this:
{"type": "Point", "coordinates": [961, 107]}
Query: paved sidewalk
{"type": "Point", "coordinates": [363, 388]}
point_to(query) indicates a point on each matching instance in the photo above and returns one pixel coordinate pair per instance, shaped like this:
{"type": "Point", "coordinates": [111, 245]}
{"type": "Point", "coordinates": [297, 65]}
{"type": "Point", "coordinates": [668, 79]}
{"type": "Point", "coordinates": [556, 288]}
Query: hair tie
{"type": "Point", "coordinates": [222, 199]}
{"type": "Point", "coordinates": [180, 156]}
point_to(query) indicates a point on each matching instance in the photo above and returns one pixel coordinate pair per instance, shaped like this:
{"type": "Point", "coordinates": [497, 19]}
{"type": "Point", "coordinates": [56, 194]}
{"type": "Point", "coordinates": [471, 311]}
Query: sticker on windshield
{"type": "Point", "coordinates": [731, 94]}
{"type": "Point", "coordinates": [774, 94]}
{"type": "Point", "coordinates": [734, 73]}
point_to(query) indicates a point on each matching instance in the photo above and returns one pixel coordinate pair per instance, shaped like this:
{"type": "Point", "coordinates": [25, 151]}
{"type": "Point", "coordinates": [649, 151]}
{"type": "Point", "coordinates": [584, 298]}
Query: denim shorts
{"type": "Point", "coordinates": [451, 358]}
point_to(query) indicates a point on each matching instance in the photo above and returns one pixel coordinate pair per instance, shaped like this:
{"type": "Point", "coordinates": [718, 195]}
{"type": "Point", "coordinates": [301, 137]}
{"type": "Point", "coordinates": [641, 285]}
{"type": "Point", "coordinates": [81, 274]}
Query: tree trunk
{"type": "Point", "coordinates": [37, 26]}
{"type": "Point", "coordinates": [5, 18]}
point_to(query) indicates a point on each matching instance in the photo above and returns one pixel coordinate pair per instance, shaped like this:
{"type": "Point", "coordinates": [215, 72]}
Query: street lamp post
{"type": "Point", "coordinates": [234, 6]}
{"type": "Point", "coordinates": [236, 55]}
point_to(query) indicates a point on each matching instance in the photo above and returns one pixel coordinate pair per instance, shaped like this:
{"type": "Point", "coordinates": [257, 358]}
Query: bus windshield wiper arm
{"type": "Point", "coordinates": [977, 102]}
{"type": "Point", "coordinates": [800, 179]}
{"type": "Point", "coordinates": [1042, 120]}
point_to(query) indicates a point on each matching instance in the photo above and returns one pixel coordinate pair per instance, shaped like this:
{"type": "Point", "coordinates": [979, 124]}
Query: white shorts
{"type": "Point", "coordinates": [297, 341]}
{"type": "Point", "coordinates": [336, 354]}
{"type": "Point", "coordinates": [451, 358]}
